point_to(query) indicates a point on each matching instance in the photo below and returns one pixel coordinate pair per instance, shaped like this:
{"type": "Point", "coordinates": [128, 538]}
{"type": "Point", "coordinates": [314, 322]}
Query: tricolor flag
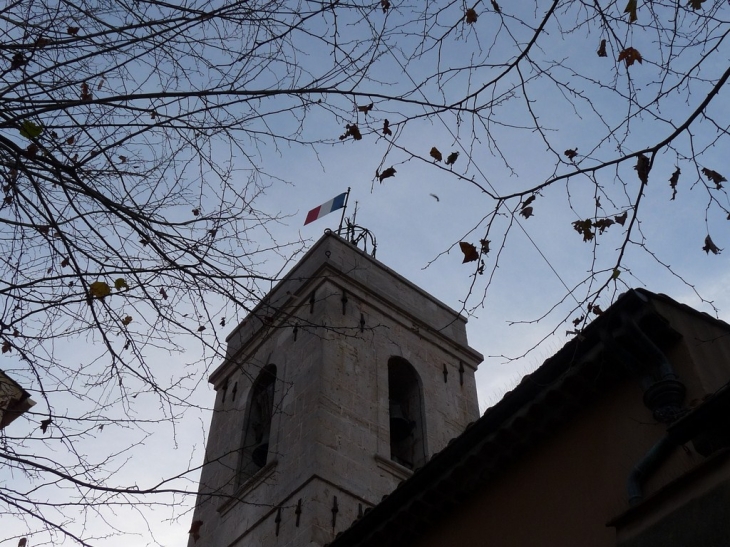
{"type": "Point", "coordinates": [326, 208]}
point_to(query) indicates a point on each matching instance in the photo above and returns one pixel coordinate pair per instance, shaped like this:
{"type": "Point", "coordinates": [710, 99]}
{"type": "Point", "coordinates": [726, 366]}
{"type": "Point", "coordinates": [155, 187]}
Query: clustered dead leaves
{"type": "Point", "coordinates": [714, 176]}
{"type": "Point", "coordinates": [587, 228]}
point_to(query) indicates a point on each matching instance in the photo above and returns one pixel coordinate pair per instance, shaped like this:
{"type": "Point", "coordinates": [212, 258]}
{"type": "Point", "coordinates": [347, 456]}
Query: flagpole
{"type": "Point", "coordinates": [344, 208]}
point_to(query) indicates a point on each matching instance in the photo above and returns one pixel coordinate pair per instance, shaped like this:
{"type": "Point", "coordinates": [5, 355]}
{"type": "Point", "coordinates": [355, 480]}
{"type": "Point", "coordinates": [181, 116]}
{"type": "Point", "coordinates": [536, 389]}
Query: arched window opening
{"type": "Point", "coordinates": [257, 428]}
{"type": "Point", "coordinates": [407, 445]}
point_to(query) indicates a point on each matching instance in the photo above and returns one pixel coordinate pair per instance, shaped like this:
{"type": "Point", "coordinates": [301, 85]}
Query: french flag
{"type": "Point", "coordinates": [326, 208]}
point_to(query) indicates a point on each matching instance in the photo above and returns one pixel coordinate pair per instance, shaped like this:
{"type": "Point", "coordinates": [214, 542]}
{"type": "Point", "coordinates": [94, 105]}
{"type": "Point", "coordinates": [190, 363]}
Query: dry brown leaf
{"type": "Point", "coordinates": [471, 16]}
{"type": "Point", "coordinates": [470, 252]}
{"type": "Point", "coordinates": [714, 176]}
{"type": "Point", "coordinates": [485, 246]}
{"type": "Point", "coordinates": [673, 180]}
{"type": "Point", "coordinates": [351, 130]}
{"type": "Point", "coordinates": [630, 55]}
{"type": "Point", "coordinates": [435, 154]}
{"type": "Point", "coordinates": [584, 228]}
{"type": "Point", "coordinates": [602, 224]}
{"type": "Point", "coordinates": [602, 49]}
{"type": "Point", "coordinates": [389, 172]}
{"type": "Point", "coordinates": [631, 8]}
{"type": "Point", "coordinates": [85, 92]}
{"type": "Point", "coordinates": [710, 246]}
{"type": "Point", "coordinates": [643, 166]}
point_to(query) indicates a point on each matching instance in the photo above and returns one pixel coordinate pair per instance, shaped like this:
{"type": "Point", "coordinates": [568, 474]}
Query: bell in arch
{"type": "Point", "coordinates": [261, 450]}
{"type": "Point", "coordinates": [400, 425]}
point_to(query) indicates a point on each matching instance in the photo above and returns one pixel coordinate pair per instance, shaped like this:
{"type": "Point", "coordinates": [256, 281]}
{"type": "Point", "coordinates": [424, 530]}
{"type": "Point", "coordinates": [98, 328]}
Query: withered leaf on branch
{"type": "Point", "coordinates": [365, 109]}
{"type": "Point", "coordinates": [714, 176]}
{"type": "Point", "coordinates": [127, 320]}
{"type": "Point", "coordinates": [525, 208]}
{"type": "Point", "coordinates": [571, 153]}
{"type": "Point", "coordinates": [163, 293]}
{"type": "Point", "coordinates": [630, 55]}
{"type": "Point", "coordinates": [602, 224]}
{"type": "Point", "coordinates": [643, 166]}
{"type": "Point", "coordinates": [45, 423]}
{"type": "Point", "coordinates": [471, 16]}
{"type": "Point", "coordinates": [602, 49]}
{"type": "Point", "coordinates": [452, 158]}
{"type": "Point", "coordinates": [18, 61]}
{"type": "Point", "coordinates": [85, 92]}
{"type": "Point", "coordinates": [710, 246]}
{"type": "Point", "coordinates": [385, 4]}
{"type": "Point", "coordinates": [496, 6]}
{"type": "Point", "coordinates": [99, 289]}
{"type": "Point", "coordinates": [595, 308]}
{"type": "Point", "coordinates": [695, 4]}
{"type": "Point", "coordinates": [485, 246]}
{"type": "Point", "coordinates": [351, 130]}
{"type": "Point", "coordinates": [584, 228]}
{"type": "Point", "coordinates": [201, 328]}
{"type": "Point", "coordinates": [470, 252]}
{"type": "Point", "coordinates": [386, 128]}
{"type": "Point", "coordinates": [673, 180]}
{"type": "Point", "coordinates": [621, 219]}
{"type": "Point", "coordinates": [7, 346]}
{"type": "Point", "coordinates": [23, 542]}
{"type": "Point", "coordinates": [631, 8]}
{"type": "Point", "coordinates": [73, 31]}
{"type": "Point", "coordinates": [578, 320]}
{"type": "Point", "coordinates": [389, 172]}
{"type": "Point", "coordinates": [436, 154]}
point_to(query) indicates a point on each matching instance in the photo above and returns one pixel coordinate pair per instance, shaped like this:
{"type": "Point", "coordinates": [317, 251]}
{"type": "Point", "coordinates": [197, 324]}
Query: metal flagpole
{"type": "Point", "coordinates": [344, 208]}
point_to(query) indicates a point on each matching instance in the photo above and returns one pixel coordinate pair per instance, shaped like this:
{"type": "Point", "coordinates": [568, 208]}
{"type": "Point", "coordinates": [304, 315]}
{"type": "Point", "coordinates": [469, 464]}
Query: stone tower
{"type": "Point", "coordinates": [340, 384]}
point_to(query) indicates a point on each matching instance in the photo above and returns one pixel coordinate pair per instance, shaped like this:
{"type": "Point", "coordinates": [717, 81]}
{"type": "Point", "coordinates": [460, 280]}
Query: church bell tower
{"type": "Point", "coordinates": [338, 386]}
